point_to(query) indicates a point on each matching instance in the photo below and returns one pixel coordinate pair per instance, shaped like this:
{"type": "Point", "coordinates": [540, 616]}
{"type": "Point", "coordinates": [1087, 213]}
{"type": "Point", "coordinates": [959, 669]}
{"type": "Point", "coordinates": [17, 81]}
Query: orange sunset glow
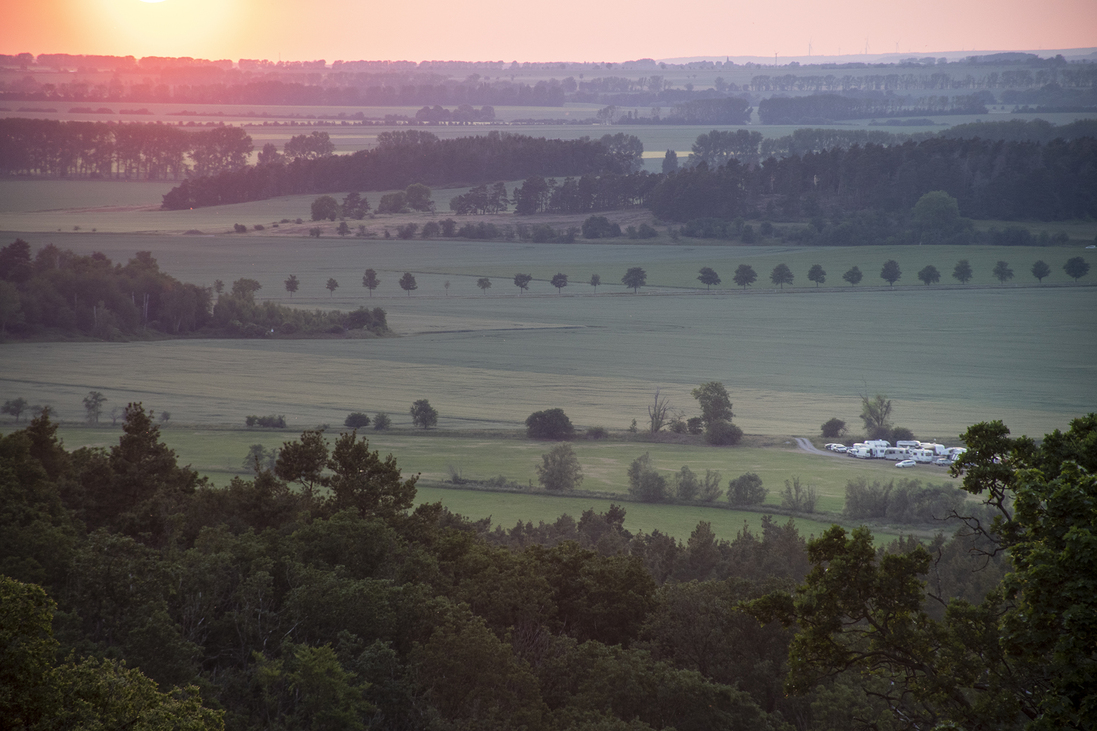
{"type": "Point", "coordinates": [613, 30]}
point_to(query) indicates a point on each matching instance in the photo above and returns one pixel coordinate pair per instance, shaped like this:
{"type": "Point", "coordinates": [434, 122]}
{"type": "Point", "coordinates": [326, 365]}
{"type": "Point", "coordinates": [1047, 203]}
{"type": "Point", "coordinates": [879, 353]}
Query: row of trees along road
{"type": "Point", "coordinates": [314, 595]}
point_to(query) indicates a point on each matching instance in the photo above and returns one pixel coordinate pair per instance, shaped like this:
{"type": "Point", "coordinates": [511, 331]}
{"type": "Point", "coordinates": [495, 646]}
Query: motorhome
{"type": "Point", "coordinates": [860, 451]}
{"type": "Point", "coordinates": [895, 453]}
{"type": "Point", "coordinates": [923, 455]}
{"type": "Point", "coordinates": [909, 444]}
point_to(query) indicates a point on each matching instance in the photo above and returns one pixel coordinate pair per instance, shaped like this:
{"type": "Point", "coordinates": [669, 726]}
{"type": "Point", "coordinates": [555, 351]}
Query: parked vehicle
{"type": "Point", "coordinates": [922, 455]}
{"type": "Point", "coordinates": [832, 447]}
{"type": "Point", "coordinates": [895, 453]}
{"type": "Point", "coordinates": [943, 462]}
{"type": "Point", "coordinates": [906, 463]}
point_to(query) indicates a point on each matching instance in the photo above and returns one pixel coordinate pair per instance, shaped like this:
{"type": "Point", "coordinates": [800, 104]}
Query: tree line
{"type": "Point", "coordinates": [403, 158]}
{"type": "Point", "coordinates": [820, 108]}
{"type": "Point", "coordinates": [127, 151]}
{"type": "Point", "coordinates": [316, 594]}
{"type": "Point", "coordinates": [59, 292]}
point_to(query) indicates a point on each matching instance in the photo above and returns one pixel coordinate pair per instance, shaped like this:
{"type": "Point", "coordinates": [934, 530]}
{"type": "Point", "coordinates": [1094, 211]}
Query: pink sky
{"type": "Point", "coordinates": [564, 30]}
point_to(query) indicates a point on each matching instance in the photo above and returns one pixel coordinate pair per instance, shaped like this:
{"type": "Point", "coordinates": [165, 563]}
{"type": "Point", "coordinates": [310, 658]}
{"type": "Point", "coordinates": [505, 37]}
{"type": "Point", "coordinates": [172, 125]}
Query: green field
{"type": "Point", "coordinates": [219, 454]}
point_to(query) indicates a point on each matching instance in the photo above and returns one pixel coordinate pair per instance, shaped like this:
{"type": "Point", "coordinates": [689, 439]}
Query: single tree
{"type": "Point", "coordinates": [245, 288]}
{"type": "Point", "coordinates": [417, 196]}
{"type": "Point", "coordinates": [658, 411]}
{"type": "Point", "coordinates": [407, 283]}
{"type": "Point", "coordinates": [781, 275]}
{"type": "Point", "coordinates": [559, 470]}
{"type": "Point", "coordinates": [15, 407]}
{"type": "Point", "coordinates": [936, 217]}
{"type": "Point", "coordinates": [1040, 270]}
{"type": "Point", "coordinates": [325, 207]}
{"type": "Point", "coordinates": [484, 284]}
{"type": "Point", "coordinates": [890, 272]}
{"type": "Point", "coordinates": [670, 162]}
{"type": "Point", "coordinates": [635, 277]}
{"type": "Point", "coordinates": [370, 281]}
{"type": "Point", "coordinates": [962, 272]}
{"type": "Point", "coordinates": [708, 277]}
{"type": "Point", "coordinates": [876, 414]}
{"type": "Point", "coordinates": [423, 414]}
{"type": "Point", "coordinates": [745, 276]}
{"type": "Point", "coordinates": [817, 274]}
{"type": "Point", "coordinates": [929, 275]}
{"type": "Point", "coordinates": [595, 280]}
{"type": "Point", "coordinates": [746, 489]}
{"type": "Point", "coordinates": [332, 285]}
{"type": "Point", "coordinates": [521, 281]}
{"type": "Point", "coordinates": [834, 428]}
{"type": "Point", "coordinates": [645, 483]}
{"type": "Point", "coordinates": [381, 422]}
{"type": "Point", "coordinates": [93, 405]}
{"type": "Point", "coordinates": [292, 284]}
{"type": "Point", "coordinates": [342, 229]}
{"type": "Point", "coordinates": [1076, 268]}
{"type": "Point", "coordinates": [1002, 272]}
{"type": "Point", "coordinates": [714, 401]}
{"type": "Point", "coordinates": [559, 281]}
{"type": "Point", "coordinates": [356, 420]}
{"type": "Point", "coordinates": [853, 276]}
{"type": "Point", "coordinates": [549, 424]}
{"type": "Point", "coordinates": [355, 206]}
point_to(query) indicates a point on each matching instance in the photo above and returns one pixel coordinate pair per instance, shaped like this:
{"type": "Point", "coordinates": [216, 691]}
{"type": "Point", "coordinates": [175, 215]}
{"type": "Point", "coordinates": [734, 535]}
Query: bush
{"type": "Point", "coordinates": [645, 483]}
{"type": "Point", "coordinates": [269, 422]}
{"type": "Point", "coordinates": [259, 227]}
{"type": "Point", "coordinates": [239, 228]}
{"type": "Point", "coordinates": [382, 421]}
{"type": "Point", "coordinates": [597, 432]}
{"type": "Point", "coordinates": [723, 433]}
{"type": "Point", "coordinates": [834, 429]}
{"type": "Point", "coordinates": [600, 227]}
{"type": "Point", "coordinates": [901, 433]}
{"type": "Point", "coordinates": [549, 424]}
{"type": "Point", "coordinates": [356, 420]}
{"type": "Point", "coordinates": [695, 425]}
{"type": "Point", "coordinates": [746, 489]}
{"type": "Point", "coordinates": [800, 498]}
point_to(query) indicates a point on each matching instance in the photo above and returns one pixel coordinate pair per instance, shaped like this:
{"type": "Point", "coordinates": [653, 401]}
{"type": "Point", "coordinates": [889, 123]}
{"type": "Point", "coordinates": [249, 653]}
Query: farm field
{"type": "Point", "coordinates": [219, 454]}
{"type": "Point", "coordinates": [948, 356]}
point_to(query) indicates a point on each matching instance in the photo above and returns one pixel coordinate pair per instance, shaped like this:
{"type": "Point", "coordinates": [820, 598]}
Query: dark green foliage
{"type": "Point", "coordinates": [962, 273]}
{"type": "Point", "coordinates": [781, 275]}
{"type": "Point", "coordinates": [929, 275]}
{"type": "Point", "coordinates": [746, 489]}
{"type": "Point", "coordinates": [833, 428]}
{"type": "Point", "coordinates": [645, 482]}
{"type": "Point", "coordinates": [723, 434]}
{"type": "Point", "coordinates": [635, 278]}
{"type": "Point", "coordinates": [549, 424]}
{"type": "Point", "coordinates": [853, 276]}
{"type": "Point", "coordinates": [1040, 270]}
{"type": "Point", "coordinates": [1002, 272]}
{"type": "Point", "coordinates": [423, 415]}
{"type": "Point", "coordinates": [1076, 267]}
{"type": "Point", "coordinates": [325, 207]}
{"type": "Point", "coordinates": [817, 274]}
{"type": "Point", "coordinates": [239, 228]}
{"type": "Point", "coordinates": [600, 227]}
{"type": "Point", "coordinates": [798, 497]}
{"type": "Point", "coordinates": [269, 422]}
{"type": "Point", "coordinates": [381, 421]}
{"type": "Point", "coordinates": [890, 272]}
{"type": "Point", "coordinates": [708, 277]}
{"type": "Point", "coordinates": [559, 469]}
{"type": "Point", "coordinates": [356, 420]}
{"type": "Point", "coordinates": [745, 276]}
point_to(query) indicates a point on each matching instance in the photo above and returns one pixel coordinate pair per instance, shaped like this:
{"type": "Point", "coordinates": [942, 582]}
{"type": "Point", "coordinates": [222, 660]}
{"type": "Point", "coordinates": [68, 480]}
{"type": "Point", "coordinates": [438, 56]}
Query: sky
{"type": "Point", "coordinates": [526, 30]}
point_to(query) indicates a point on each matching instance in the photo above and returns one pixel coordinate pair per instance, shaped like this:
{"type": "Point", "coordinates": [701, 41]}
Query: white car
{"type": "Point", "coordinates": [840, 448]}
{"type": "Point", "coordinates": [943, 462]}
{"type": "Point", "coordinates": [906, 463]}
{"type": "Point", "coordinates": [832, 447]}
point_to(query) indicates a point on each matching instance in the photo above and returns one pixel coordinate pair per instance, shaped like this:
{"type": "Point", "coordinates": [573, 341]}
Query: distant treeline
{"type": "Point", "coordinates": [412, 156]}
{"type": "Point", "coordinates": [824, 108]}
{"type": "Point", "coordinates": [59, 292]}
{"type": "Point", "coordinates": [130, 151]}
{"type": "Point", "coordinates": [990, 179]}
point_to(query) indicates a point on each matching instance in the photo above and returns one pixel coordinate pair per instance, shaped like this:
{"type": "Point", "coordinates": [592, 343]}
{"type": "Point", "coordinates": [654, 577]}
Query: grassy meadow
{"type": "Point", "coordinates": [219, 454]}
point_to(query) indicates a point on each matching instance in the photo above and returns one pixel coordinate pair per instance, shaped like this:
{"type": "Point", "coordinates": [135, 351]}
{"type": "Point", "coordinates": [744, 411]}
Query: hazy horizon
{"type": "Point", "coordinates": [613, 31]}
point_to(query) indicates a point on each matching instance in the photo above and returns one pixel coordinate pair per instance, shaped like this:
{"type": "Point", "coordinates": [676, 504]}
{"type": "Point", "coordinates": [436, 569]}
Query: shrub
{"type": "Point", "coordinates": [597, 432]}
{"type": "Point", "coordinates": [239, 228]}
{"type": "Point", "coordinates": [600, 227]}
{"type": "Point", "coordinates": [382, 421]}
{"type": "Point", "coordinates": [560, 469]}
{"type": "Point", "coordinates": [356, 420]}
{"type": "Point", "coordinates": [269, 422]}
{"type": "Point", "coordinates": [834, 429]}
{"type": "Point", "coordinates": [901, 433]}
{"type": "Point", "coordinates": [723, 433]}
{"type": "Point", "coordinates": [695, 425]}
{"type": "Point", "coordinates": [259, 227]}
{"type": "Point", "coordinates": [746, 489]}
{"type": "Point", "coordinates": [645, 483]}
{"type": "Point", "coordinates": [549, 424]}
{"type": "Point", "coordinates": [800, 498]}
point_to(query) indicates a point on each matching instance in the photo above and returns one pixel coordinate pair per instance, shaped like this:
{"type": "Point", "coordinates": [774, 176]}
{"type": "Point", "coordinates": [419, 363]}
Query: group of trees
{"type": "Point", "coordinates": [826, 108]}
{"type": "Point", "coordinates": [312, 595]}
{"type": "Point", "coordinates": [125, 151]}
{"type": "Point", "coordinates": [58, 291]}
{"type": "Point", "coordinates": [403, 158]}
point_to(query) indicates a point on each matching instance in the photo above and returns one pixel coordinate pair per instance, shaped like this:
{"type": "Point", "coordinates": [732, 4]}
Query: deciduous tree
{"type": "Point", "coordinates": [93, 406]}
{"type": "Point", "coordinates": [781, 275]}
{"type": "Point", "coordinates": [817, 274]}
{"type": "Point", "coordinates": [890, 272]}
{"type": "Point", "coordinates": [549, 424]}
{"type": "Point", "coordinates": [559, 470]}
{"type": "Point", "coordinates": [484, 284]}
{"type": "Point", "coordinates": [708, 277]}
{"type": "Point", "coordinates": [325, 207]}
{"type": "Point", "coordinates": [559, 281]}
{"type": "Point", "coordinates": [1076, 267]}
{"type": "Point", "coordinates": [292, 284]}
{"type": "Point", "coordinates": [332, 285]}
{"type": "Point", "coordinates": [423, 415]}
{"type": "Point", "coordinates": [929, 275]}
{"type": "Point", "coordinates": [635, 277]}
{"type": "Point", "coordinates": [962, 273]}
{"type": "Point", "coordinates": [521, 281]}
{"type": "Point", "coordinates": [1002, 272]}
{"type": "Point", "coordinates": [745, 276]}
{"type": "Point", "coordinates": [853, 276]}
{"type": "Point", "coordinates": [407, 283]}
{"type": "Point", "coordinates": [370, 281]}
{"type": "Point", "coordinates": [1040, 270]}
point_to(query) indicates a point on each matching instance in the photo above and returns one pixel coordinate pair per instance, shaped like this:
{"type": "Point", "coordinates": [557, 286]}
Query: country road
{"type": "Point", "coordinates": [807, 446]}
